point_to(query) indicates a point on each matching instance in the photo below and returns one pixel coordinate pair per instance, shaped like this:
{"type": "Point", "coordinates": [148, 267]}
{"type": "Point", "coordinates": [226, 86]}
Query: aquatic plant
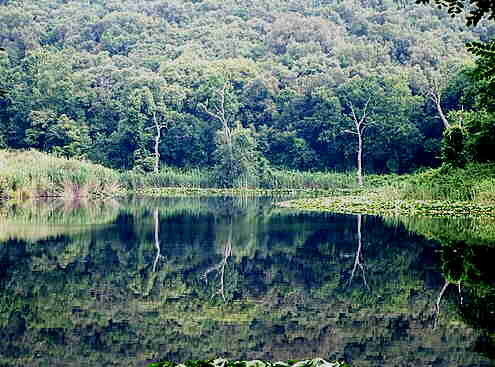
{"type": "Point", "coordinates": [376, 204]}
{"type": "Point", "coordinates": [220, 362]}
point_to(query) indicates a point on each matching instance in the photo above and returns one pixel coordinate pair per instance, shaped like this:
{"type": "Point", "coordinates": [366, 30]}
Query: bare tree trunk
{"type": "Point", "coordinates": [219, 112]}
{"type": "Point", "coordinates": [358, 261]}
{"type": "Point", "coordinates": [445, 122]}
{"type": "Point", "coordinates": [226, 254]}
{"type": "Point", "coordinates": [359, 125]}
{"type": "Point", "coordinates": [435, 86]}
{"type": "Point", "coordinates": [158, 128]}
{"type": "Point", "coordinates": [220, 267]}
{"type": "Point", "coordinates": [157, 239]}
{"type": "Point", "coordinates": [437, 305]}
{"type": "Point", "coordinates": [360, 159]}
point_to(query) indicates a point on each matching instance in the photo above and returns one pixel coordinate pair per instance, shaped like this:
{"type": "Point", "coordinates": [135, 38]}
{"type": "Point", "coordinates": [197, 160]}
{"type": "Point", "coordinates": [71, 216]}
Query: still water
{"type": "Point", "coordinates": [129, 282]}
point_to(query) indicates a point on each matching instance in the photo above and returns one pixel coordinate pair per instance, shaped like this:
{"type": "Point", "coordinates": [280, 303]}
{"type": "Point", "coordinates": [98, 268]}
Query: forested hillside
{"type": "Point", "coordinates": [289, 83]}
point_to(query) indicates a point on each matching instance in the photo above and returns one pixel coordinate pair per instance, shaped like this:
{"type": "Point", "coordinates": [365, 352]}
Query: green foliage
{"type": "Point", "coordinates": [166, 177]}
{"type": "Point", "coordinates": [96, 88]}
{"type": "Point", "coordinates": [470, 138]}
{"type": "Point", "coordinates": [287, 279]}
{"type": "Point", "coordinates": [453, 146]}
{"type": "Point", "coordinates": [450, 183]}
{"type": "Point", "coordinates": [445, 191]}
{"type": "Point", "coordinates": [238, 163]}
{"type": "Point", "coordinates": [477, 9]}
{"type": "Point", "coordinates": [266, 178]}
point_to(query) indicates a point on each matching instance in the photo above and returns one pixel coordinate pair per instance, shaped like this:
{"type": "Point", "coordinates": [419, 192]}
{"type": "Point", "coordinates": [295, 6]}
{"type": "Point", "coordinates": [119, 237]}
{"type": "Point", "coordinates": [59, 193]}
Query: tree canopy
{"type": "Point", "coordinates": [96, 79]}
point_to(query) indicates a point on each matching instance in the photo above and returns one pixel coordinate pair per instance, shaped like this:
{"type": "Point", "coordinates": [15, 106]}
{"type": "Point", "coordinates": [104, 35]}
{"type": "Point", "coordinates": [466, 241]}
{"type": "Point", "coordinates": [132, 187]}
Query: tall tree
{"type": "Point", "coordinates": [161, 104]}
{"type": "Point", "coordinates": [359, 118]}
{"type": "Point", "coordinates": [379, 112]}
{"type": "Point", "coordinates": [433, 82]}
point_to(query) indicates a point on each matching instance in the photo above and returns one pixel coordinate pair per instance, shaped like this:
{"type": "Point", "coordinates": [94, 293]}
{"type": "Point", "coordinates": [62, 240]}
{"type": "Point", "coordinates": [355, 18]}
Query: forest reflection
{"type": "Point", "coordinates": [198, 278]}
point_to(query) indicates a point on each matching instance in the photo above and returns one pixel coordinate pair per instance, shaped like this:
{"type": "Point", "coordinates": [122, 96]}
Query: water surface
{"type": "Point", "coordinates": [128, 282]}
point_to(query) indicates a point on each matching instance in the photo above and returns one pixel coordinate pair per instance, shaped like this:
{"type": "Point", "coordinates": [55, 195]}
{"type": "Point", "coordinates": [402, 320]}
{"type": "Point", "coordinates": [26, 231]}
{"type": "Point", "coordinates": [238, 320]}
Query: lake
{"type": "Point", "coordinates": [127, 282]}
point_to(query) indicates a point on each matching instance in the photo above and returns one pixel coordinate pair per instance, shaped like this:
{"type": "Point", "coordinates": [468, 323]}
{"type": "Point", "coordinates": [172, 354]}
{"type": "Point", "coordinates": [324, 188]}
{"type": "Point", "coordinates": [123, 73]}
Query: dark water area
{"type": "Point", "coordinates": [134, 281]}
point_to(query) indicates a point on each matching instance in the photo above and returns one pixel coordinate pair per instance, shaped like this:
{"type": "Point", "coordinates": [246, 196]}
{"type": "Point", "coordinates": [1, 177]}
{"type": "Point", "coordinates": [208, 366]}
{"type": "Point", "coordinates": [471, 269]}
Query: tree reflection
{"type": "Point", "coordinates": [358, 260]}
{"type": "Point", "coordinates": [219, 268]}
{"type": "Point", "coordinates": [296, 279]}
{"type": "Point", "coordinates": [158, 256]}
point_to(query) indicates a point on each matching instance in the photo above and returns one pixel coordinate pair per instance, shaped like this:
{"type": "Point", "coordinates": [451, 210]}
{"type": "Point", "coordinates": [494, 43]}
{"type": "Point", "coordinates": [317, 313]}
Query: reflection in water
{"type": "Point", "coordinates": [468, 247]}
{"type": "Point", "coordinates": [40, 219]}
{"type": "Point", "coordinates": [156, 216]}
{"type": "Point", "coordinates": [219, 269]}
{"type": "Point", "coordinates": [358, 262]}
{"type": "Point", "coordinates": [198, 278]}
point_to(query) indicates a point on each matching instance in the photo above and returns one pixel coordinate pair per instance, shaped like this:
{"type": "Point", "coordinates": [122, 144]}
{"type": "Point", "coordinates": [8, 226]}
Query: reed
{"type": "Point", "coordinates": [288, 179]}
{"type": "Point", "coordinates": [475, 182]}
{"type": "Point", "coordinates": [167, 177]}
{"type": "Point", "coordinates": [274, 179]}
{"type": "Point", "coordinates": [33, 174]}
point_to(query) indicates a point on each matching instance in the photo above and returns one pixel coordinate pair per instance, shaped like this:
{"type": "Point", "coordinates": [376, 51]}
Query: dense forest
{"type": "Point", "coordinates": [226, 84]}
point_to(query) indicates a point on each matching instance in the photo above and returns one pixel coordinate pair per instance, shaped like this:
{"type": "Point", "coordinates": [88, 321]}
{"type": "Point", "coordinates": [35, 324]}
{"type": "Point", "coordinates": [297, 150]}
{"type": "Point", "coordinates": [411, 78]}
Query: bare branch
{"type": "Point", "coordinates": [212, 114]}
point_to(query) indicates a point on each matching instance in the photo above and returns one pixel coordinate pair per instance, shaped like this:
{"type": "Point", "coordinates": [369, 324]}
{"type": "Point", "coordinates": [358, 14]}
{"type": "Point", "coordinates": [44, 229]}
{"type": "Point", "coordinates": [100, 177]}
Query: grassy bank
{"type": "Point", "coordinates": [475, 182]}
{"type": "Point", "coordinates": [469, 191]}
{"type": "Point", "coordinates": [169, 177]}
{"type": "Point", "coordinates": [434, 192]}
{"type": "Point", "coordinates": [32, 174]}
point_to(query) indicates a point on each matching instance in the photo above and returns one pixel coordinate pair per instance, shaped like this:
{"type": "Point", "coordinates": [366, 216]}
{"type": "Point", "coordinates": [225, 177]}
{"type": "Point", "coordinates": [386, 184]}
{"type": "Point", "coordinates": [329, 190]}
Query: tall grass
{"type": "Point", "coordinates": [287, 179]}
{"type": "Point", "coordinates": [167, 177]}
{"type": "Point", "coordinates": [475, 182]}
{"type": "Point", "coordinates": [203, 178]}
{"type": "Point", "coordinates": [32, 174]}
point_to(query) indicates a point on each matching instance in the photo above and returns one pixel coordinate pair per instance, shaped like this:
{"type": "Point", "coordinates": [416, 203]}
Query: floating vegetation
{"type": "Point", "coordinates": [193, 191]}
{"type": "Point", "coordinates": [220, 362]}
{"type": "Point", "coordinates": [377, 205]}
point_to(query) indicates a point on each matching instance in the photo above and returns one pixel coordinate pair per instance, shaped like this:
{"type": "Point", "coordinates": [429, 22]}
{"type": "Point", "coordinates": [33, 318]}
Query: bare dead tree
{"type": "Point", "coordinates": [159, 125]}
{"type": "Point", "coordinates": [437, 304]}
{"type": "Point", "coordinates": [358, 260]}
{"type": "Point", "coordinates": [435, 84]}
{"type": "Point", "coordinates": [359, 127]}
{"type": "Point", "coordinates": [439, 299]}
{"type": "Point", "coordinates": [219, 268]}
{"type": "Point", "coordinates": [461, 299]}
{"type": "Point", "coordinates": [157, 239]}
{"type": "Point", "coordinates": [433, 81]}
{"type": "Point", "coordinates": [218, 111]}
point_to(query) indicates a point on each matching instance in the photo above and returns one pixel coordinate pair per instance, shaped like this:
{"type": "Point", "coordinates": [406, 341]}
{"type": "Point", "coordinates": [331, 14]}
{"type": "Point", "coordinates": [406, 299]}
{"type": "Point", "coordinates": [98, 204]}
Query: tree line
{"type": "Point", "coordinates": [240, 86]}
